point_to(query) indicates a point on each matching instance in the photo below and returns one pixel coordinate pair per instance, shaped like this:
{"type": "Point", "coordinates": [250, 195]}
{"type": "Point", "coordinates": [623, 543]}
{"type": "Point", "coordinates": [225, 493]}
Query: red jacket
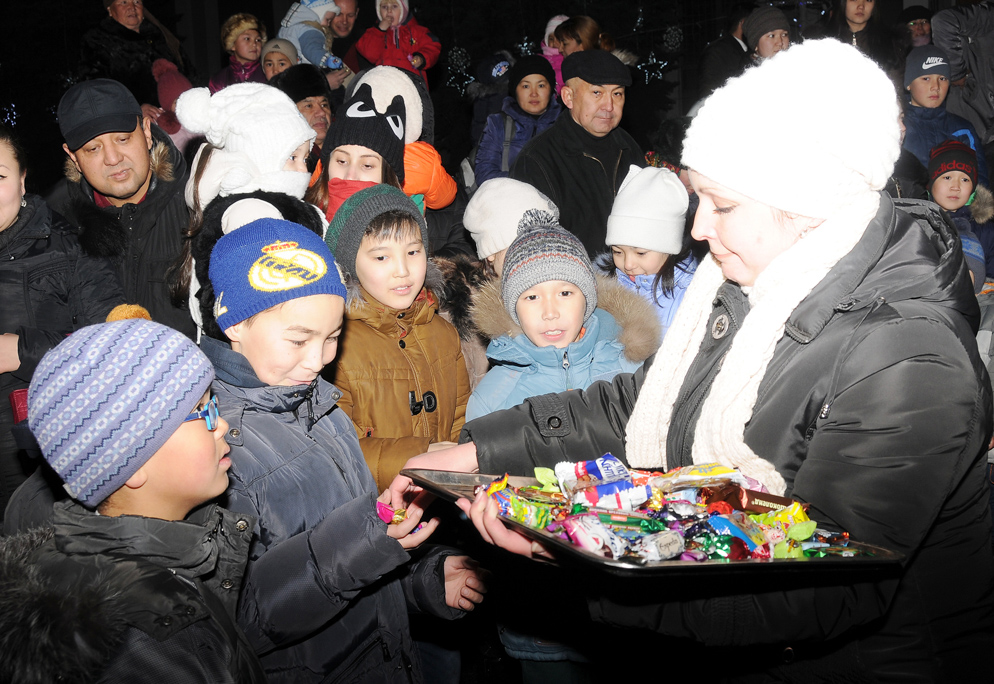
{"type": "Point", "coordinates": [394, 46]}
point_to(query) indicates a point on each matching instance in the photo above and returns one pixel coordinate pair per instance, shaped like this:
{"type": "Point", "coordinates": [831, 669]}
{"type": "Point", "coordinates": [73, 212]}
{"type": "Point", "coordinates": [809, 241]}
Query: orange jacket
{"type": "Point", "coordinates": [425, 175]}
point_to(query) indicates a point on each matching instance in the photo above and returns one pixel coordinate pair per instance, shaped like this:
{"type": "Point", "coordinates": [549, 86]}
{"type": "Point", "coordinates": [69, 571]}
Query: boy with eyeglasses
{"type": "Point", "coordinates": [134, 579]}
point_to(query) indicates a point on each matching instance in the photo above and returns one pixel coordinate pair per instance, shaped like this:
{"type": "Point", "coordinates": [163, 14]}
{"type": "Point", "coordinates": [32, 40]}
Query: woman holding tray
{"type": "Point", "coordinates": [827, 350]}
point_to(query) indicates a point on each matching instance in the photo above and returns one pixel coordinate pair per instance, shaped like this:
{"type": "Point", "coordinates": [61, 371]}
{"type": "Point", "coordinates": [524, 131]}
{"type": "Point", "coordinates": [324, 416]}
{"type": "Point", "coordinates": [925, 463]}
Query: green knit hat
{"type": "Point", "coordinates": [349, 224]}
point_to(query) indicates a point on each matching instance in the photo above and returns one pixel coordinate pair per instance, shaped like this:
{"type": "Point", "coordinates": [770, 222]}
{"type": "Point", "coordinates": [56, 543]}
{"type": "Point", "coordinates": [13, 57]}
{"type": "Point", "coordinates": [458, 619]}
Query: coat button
{"type": "Point", "coordinates": [190, 610]}
{"type": "Point", "coordinates": [241, 525]}
{"type": "Point", "coordinates": [403, 345]}
{"type": "Point", "coordinates": [234, 432]}
{"type": "Point", "coordinates": [227, 584]}
{"type": "Point", "coordinates": [166, 621]}
{"type": "Point", "coordinates": [400, 315]}
{"type": "Point", "coordinates": [555, 422]}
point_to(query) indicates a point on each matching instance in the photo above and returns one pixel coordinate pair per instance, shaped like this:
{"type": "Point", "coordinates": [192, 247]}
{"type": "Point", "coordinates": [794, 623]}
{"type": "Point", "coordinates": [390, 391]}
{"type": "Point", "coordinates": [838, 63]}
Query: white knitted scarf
{"type": "Point", "coordinates": [719, 434]}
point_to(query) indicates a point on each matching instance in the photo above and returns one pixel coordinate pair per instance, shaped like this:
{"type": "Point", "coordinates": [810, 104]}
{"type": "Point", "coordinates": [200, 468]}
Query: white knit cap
{"type": "Point", "coordinates": [497, 207]}
{"type": "Point", "coordinates": [774, 133]}
{"type": "Point", "coordinates": [387, 82]}
{"type": "Point", "coordinates": [319, 7]}
{"type": "Point", "coordinates": [553, 23]}
{"type": "Point", "coordinates": [650, 211]}
{"type": "Point", "coordinates": [255, 129]}
{"type": "Point", "coordinates": [404, 6]}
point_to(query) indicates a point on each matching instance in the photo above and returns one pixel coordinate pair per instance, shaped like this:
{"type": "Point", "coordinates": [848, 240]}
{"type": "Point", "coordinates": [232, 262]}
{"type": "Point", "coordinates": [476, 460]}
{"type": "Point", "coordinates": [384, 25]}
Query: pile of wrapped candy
{"type": "Point", "coordinates": [694, 513]}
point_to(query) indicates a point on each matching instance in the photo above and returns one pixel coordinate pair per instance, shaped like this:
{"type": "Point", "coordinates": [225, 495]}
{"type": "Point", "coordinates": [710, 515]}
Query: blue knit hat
{"type": "Point", "coordinates": [268, 262]}
{"type": "Point", "coordinates": [108, 397]}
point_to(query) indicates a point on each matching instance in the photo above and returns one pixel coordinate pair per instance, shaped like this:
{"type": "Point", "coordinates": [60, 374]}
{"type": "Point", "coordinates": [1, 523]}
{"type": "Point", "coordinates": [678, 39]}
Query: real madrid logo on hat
{"type": "Point", "coordinates": [268, 262]}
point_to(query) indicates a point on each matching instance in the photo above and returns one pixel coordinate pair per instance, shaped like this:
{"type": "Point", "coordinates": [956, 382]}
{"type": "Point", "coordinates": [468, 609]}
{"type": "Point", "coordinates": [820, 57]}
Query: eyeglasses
{"type": "Point", "coordinates": [208, 413]}
{"type": "Point", "coordinates": [918, 23]}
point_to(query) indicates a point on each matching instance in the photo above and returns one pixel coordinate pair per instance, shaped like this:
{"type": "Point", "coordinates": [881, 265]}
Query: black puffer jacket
{"type": "Point", "coordinates": [876, 410]}
{"type": "Point", "coordinates": [125, 599]}
{"type": "Point", "coordinates": [580, 173]}
{"type": "Point", "coordinates": [143, 240]}
{"type": "Point", "coordinates": [110, 50]}
{"type": "Point", "coordinates": [48, 288]}
{"type": "Point", "coordinates": [327, 592]}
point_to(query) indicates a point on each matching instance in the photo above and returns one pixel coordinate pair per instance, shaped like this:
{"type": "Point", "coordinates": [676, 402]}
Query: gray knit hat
{"type": "Point", "coordinates": [349, 225]}
{"type": "Point", "coordinates": [108, 397]}
{"type": "Point", "coordinates": [761, 21]}
{"type": "Point", "coordinates": [544, 251]}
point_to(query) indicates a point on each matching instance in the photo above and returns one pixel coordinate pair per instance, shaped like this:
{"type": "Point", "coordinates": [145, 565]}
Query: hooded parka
{"type": "Point", "coordinates": [327, 591]}
{"type": "Point", "coordinates": [876, 410]}
{"type": "Point", "coordinates": [619, 335]}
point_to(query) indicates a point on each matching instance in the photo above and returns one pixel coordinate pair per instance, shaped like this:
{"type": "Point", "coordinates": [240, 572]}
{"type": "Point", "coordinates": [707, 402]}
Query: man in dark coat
{"type": "Point", "coordinates": [728, 55]}
{"type": "Point", "coordinates": [582, 160]}
{"type": "Point", "coordinates": [124, 189]}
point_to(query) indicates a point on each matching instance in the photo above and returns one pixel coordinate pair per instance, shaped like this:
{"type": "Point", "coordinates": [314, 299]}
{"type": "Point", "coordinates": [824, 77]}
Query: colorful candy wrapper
{"type": "Point", "coordinates": [659, 546]}
{"type": "Point", "coordinates": [701, 475]}
{"type": "Point", "coordinates": [738, 525]}
{"type": "Point", "coordinates": [626, 500]}
{"type": "Point", "coordinates": [607, 468]}
{"type": "Point", "coordinates": [617, 520]}
{"type": "Point", "coordinates": [389, 515]}
{"type": "Point", "coordinates": [586, 531]}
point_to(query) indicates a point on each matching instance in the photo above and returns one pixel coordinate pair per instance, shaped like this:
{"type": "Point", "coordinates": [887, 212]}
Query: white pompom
{"type": "Point", "coordinates": [193, 110]}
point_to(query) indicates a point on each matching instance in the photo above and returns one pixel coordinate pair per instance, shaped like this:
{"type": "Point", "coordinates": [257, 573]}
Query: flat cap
{"type": "Point", "coordinates": [596, 67]}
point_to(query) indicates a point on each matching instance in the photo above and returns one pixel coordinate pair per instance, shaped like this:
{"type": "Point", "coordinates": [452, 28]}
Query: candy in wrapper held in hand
{"type": "Point", "coordinates": [389, 515]}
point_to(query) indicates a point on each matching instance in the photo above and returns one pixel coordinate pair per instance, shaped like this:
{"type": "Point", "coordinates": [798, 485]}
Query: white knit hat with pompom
{"type": "Point", "coordinates": [255, 129]}
{"type": "Point", "coordinates": [791, 152]}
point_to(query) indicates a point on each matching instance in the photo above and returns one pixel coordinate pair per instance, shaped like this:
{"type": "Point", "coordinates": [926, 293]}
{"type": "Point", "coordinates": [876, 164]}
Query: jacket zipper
{"type": "Point", "coordinates": [569, 381]}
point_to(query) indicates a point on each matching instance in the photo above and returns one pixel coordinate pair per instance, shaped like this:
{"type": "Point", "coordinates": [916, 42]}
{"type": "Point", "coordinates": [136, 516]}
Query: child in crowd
{"type": "Point", "coordinates": [401, 371]}
{"type": "Point", "coordinates": [555, 304]}
{"type": "Point", "coordinates": [528, 109]}
{"type": "Point", "coordinates": [307, 24]}
{"type": "Point", "coordinates": [550, 48]}
{"type": "Point", "coordinates": [327, 577]}
{"type": "Point", "coordinates": [363, 148]}
{"type": "Point", "coordinates": [952, 172]}
{"type": "Point", "coordinates": [399, 40]}
{"type": "Point", "coordinates": [251, 166]}
{"type": "Point", "coordinates": [928, 123]}
{"type": "Point", "coordinates": [242, 36]}
{"type": "Point", "coordinates": [649, 240]}
{"type": "Point", "coordinates": [278, 55]}
{"type": "Point", "coordinates": [128, 588]}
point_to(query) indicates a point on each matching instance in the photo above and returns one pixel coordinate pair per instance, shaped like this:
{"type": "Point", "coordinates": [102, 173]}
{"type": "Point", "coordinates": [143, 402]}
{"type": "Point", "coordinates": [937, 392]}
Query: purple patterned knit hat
{"type": "Point", "coordinates": [108, 397]}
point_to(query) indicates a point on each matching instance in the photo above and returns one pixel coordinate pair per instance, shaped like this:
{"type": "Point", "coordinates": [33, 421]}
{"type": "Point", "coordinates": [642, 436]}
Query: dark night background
{"type": "Point", "coordinates": [41, 48]}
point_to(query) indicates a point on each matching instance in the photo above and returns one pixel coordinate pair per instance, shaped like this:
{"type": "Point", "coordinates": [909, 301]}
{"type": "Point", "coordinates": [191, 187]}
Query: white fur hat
{"type": "Point", "coordinates": [773, 134]}
{"type": "Point", "coordinates": [255, 129]}
{"type": "Point", "coordinates": [497, 207]}
{"type": "Point", "coordinates": [386, 82]}
{"type": "Point", "coordinates": [650, 211]}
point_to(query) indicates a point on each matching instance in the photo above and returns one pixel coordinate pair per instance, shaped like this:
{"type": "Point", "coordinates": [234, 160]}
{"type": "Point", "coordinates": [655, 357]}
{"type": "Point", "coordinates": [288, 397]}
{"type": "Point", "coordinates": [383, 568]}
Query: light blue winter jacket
{"type": "Point", "coordinates": [308, 40]}
{"type": "Point", "coordinates": [620, 334]}
{"type": "Point", "coordinates": [665, 304]}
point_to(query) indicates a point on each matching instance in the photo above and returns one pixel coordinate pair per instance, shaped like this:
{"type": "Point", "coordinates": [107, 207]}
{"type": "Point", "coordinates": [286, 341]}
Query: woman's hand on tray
{"type": "Point", "coordinates": [483, 512]}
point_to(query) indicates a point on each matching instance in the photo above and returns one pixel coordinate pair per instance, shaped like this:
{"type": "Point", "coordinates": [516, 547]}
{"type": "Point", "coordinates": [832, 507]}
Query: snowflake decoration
{"type": "Point", "coordinates": [8, 114]}
{"type": "Point", "coordinates": [652, 68]}
{"type": "Point", "coordinates": [526, 47]}
{"type": "Point", "coordinates": [672, 38]}
{"type": "Point", "coordinates": [459, 59]}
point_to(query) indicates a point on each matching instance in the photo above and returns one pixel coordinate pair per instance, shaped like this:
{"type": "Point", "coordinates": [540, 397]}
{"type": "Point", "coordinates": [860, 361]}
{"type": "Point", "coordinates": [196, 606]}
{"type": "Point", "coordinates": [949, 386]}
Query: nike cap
{"type": "Point", "coordinates": [925, 60]}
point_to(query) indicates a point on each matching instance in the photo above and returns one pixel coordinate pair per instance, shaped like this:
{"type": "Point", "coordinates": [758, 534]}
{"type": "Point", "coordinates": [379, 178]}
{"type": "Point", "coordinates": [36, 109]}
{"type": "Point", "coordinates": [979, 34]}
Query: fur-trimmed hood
{"type": "Point", "coordinates": [635, 324]}
{"type": "Point", "coordinates": [982, 209]}
{"type": "Point", "coordinates": [627, 57]}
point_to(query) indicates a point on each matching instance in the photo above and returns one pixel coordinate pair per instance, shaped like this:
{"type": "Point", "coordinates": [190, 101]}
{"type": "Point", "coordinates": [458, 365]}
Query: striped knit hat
{"type": "Point", "coordinates": [544, 251]}
{"type": "Point", "coordinates": [108, 397]}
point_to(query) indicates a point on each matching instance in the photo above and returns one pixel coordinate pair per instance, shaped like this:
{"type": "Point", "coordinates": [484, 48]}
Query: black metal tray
{"type": "Point", "coordinates": [452, 486]}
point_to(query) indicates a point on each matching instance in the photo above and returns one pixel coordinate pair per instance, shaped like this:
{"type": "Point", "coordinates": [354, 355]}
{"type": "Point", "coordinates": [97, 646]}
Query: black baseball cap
{"type": "Point", "coordinates": [596, 67]}
{"type": "Point", "coordinates": [92, 108]}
